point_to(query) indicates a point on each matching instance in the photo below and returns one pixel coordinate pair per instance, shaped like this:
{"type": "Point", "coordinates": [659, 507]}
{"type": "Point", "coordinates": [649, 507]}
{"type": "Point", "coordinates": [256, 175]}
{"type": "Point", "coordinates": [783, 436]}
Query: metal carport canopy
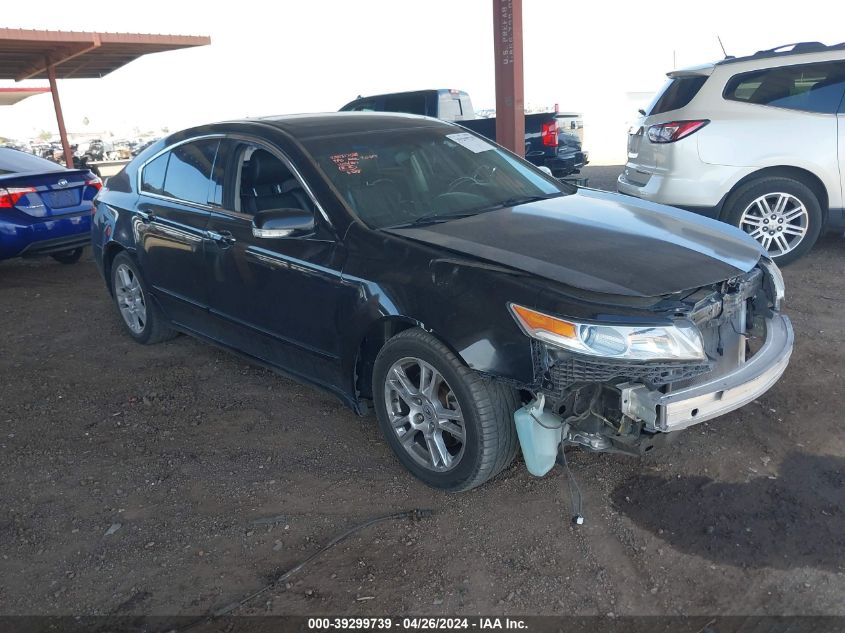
{"type": "Point", "coordinates": [33, 54]}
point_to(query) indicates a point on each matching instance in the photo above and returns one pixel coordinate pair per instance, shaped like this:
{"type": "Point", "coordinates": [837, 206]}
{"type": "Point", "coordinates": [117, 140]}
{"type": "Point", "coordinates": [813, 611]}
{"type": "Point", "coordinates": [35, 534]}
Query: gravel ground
{"type": "Point", "coordinates": [175, 479]}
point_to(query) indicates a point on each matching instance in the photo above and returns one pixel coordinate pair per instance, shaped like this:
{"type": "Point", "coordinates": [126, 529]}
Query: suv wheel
{"type": "Point", "coordinates": [449, 426]}
{"type": "Point", "coordinates": [782, 214]}
{"type": "Point", "coordinates": [141, 316]}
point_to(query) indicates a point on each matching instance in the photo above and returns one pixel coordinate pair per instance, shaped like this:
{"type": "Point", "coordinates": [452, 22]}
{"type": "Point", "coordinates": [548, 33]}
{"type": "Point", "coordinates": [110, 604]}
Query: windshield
{"type": "Point", "coordinates": [400, 177]}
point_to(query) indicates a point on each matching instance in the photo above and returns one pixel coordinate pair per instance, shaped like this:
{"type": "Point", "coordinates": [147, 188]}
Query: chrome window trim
{"type": "Point", "coordinates": [237, 137]}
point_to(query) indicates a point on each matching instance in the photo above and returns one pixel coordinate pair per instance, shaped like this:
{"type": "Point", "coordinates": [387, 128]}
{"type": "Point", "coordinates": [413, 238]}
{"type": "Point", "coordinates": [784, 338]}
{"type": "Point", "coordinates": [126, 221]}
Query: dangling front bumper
{"type": "Point", "coordinates": [706, 399]}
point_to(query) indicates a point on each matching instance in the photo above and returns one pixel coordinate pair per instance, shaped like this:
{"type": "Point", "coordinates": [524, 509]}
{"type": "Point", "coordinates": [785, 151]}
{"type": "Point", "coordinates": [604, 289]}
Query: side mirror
{"type": "Point", "coordinates": [276, 223]}
{"type": "Point", "coordinates": [545, 170]}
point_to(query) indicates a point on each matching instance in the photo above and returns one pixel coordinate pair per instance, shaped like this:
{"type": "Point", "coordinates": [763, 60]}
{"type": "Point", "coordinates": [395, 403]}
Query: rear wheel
{"type": "Point", "coordinates": [68, 257]}
{"type": "Point", "coordinates": [784, 215]}
{"type": "Point", "coordinates": [141, 316]}
{"type": "Point", "coordinates": [449, 426]}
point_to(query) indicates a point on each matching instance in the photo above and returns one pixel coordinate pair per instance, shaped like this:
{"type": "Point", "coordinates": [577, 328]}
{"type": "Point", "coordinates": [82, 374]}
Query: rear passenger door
{"type": "Point", "coordinates": [272, 298]}
{"type": "Point", "coordinates": [172, 214]}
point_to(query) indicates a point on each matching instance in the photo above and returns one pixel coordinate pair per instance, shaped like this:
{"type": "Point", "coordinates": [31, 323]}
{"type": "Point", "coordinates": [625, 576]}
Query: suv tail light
{"type": "Point", "coordinates": [674, 131]}
{"type": "Point", "coordinates": [9, 197]}
{"type": "Point", "coordinates": [550, 134]}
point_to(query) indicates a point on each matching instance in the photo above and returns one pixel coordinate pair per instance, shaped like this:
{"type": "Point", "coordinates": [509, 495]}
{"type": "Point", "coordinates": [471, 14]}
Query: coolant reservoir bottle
{"type": "Point", "coordinates": [539, 434]}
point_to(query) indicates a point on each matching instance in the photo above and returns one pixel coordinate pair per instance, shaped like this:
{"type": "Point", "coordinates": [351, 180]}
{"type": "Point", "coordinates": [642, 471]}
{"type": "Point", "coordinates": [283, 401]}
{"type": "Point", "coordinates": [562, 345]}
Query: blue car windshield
{"type": "Point", "coordinates": [425, 175]}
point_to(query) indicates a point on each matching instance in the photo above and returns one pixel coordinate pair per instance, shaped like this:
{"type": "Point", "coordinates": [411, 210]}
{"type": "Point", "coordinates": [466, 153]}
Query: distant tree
{"type": "Point", "coordinates": [85, 120]}
{"type": "Point", "coordinates": [44, 135]}
{"type": "Point", "coordinates": [165, 130]}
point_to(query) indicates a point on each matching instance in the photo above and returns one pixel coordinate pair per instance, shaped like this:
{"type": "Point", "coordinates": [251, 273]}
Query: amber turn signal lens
{"type": "Point", "coordinates": [532, 320]}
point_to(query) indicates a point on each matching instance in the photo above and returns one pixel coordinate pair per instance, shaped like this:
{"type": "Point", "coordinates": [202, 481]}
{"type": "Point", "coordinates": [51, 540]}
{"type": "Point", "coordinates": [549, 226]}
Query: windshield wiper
{"type": "Point", "coordinates": [513, 202]}
{"type": "Point", "coordinates": [435, 218]}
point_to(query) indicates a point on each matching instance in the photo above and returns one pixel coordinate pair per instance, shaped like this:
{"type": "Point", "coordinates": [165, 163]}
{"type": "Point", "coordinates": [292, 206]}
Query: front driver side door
{"type": "Point", "coordinates": [273, 299]}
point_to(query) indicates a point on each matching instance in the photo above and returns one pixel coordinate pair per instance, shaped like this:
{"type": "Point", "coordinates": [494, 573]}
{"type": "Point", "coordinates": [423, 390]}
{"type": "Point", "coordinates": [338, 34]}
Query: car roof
{"type": "Point", "coordinates": [788, 51]}
{"type": "Point", "coordinates": [785, 50]}
{"type": "Point", "coordinates": [305, 126]}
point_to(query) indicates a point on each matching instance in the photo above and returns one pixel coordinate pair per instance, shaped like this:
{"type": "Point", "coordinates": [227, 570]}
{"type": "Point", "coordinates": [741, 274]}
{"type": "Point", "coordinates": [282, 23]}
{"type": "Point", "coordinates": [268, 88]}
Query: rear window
{"type": "Point", "coordinates": [806, 87]}
{"type": "Point", "coordinates": [13, 161]}
{"type": "Point", "coordinates": [410, 103]}
{"type": "Point", "coordinates": [676, 93]}
{"type": "Point", "coordinates": [365, 105]}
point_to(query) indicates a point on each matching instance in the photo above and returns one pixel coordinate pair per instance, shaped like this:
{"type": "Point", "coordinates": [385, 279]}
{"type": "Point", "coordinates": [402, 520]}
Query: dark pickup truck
{"type": "Point", "coordinates": [546, 143]}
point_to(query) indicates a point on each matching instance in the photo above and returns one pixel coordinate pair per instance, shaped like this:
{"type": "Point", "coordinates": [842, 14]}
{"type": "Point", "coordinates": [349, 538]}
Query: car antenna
{"type": "Point", "coordinates": [724, 52]}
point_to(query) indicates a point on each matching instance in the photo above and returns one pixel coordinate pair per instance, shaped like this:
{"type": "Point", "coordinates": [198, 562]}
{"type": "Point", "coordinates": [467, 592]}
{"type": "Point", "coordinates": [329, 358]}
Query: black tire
{"type": "Point", "coordinates": [487, 406]}
{"type": "Point", "coordinates": [68, 257]}
{"type": "Point", "coordinates": [742, 198]}
{"type": "Point", "coordinates": [155, 328]}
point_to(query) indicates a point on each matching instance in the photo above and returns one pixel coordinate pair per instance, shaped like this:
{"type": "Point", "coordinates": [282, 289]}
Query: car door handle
{"type": "Point", "coordinates": [225, 238]}
{"type": "Point", "coordinates": [146, 216]}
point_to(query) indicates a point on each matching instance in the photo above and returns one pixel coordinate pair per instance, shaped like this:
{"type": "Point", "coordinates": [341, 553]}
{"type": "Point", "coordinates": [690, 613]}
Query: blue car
{"type": "Point", "coordinates": [45, 209]}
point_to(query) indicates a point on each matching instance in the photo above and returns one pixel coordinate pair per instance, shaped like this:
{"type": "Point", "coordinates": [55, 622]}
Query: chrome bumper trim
{"type": "Point", "coordinates": [704, 401]}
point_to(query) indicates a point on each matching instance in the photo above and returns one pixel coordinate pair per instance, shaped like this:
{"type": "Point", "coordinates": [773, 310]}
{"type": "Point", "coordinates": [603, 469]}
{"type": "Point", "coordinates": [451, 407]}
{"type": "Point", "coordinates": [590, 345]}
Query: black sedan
{"type": "Point", "coordinates": [408, 265]}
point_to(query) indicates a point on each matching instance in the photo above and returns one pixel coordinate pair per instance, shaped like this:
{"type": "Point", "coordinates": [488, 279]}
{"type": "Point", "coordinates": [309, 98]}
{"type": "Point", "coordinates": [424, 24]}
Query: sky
{"type": "Point", "coordinates": [600, 58]}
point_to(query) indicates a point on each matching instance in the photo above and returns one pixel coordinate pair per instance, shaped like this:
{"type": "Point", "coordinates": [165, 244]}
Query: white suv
{"type": "Point", "coordinates": [756, 141]}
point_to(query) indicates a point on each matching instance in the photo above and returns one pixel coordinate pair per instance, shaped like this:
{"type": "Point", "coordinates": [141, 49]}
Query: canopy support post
{"type": "Point", "coordinates": [54, 90]}
{"type": "Point", "coordinates": [510, 88]}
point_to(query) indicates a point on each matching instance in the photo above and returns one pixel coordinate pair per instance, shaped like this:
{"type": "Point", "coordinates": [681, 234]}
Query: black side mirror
{"type": "Point", "coordinates": [276, 223]}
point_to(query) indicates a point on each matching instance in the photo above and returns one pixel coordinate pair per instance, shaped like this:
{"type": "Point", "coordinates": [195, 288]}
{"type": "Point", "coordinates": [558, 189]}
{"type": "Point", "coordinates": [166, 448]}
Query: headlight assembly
{"type": "Point", "coordinates": [679, 341]}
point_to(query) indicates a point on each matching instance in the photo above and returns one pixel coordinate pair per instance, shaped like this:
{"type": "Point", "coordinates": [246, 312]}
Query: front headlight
{"type": "Point", "coordinates": [679, 341]}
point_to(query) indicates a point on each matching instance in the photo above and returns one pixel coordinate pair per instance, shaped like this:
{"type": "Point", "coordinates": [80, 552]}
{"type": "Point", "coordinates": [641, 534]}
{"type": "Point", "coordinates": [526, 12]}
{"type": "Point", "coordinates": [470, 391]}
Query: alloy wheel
{"type": "Point", "coordinates": [779, 221]}
{"type": "Point", "coordinates": [130, 298]}
{"type": "Point", "coordinates": [425, 414]}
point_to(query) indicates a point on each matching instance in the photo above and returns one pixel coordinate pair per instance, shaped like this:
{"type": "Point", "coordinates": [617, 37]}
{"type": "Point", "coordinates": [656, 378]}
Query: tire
{"type": "Point", "coordinates": [130, 291]}
{"type": "Point", "coordinates": [68, 257]}
{"type": "Point", "coordinates": [486, 407]}
{"type": "Point", "coordinates": [764, 222]}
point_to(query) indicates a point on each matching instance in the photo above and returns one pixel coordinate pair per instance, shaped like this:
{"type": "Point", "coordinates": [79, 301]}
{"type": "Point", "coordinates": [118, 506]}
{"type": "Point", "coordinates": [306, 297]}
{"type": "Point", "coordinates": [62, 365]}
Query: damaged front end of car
{"type": "Point", "coordinates": [621, 387]}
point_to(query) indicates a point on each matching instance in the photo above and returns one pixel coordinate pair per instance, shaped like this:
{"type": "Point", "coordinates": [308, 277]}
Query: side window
{"type": "Point", "coordinates": [263, 181]}
{"type": "Point", "coordinates": [806, 87]}
{"type": "Point", "coordinates": [189, 171]}
{"type": "Point", "coordinates": [152, 177]}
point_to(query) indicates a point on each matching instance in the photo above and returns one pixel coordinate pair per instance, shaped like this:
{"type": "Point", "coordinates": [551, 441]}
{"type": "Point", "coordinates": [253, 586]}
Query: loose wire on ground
{"type": "Point", "coordinates": [414, 515]}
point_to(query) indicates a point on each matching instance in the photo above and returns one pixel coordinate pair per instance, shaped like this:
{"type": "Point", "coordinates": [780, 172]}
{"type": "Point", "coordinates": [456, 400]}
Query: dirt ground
{"type": "Point", "coordinates": [175, 479]}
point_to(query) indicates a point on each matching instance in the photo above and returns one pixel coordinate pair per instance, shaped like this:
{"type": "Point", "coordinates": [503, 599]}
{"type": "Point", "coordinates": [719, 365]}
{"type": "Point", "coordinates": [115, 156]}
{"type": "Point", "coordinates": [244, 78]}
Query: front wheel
{"type": "Point", "coordinates": [68, 257]}
{"type": "Point", "coordinates": [451, 427]}
{"type": "Point", "coordinates": [784, 215]}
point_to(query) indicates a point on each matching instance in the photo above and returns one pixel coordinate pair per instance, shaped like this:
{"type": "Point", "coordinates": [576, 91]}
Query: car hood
{"type": "Point", "coordinates": [600, 242]}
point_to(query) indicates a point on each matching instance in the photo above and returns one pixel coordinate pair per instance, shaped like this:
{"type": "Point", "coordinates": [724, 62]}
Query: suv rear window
{"type": "Point", "coordinates": [807, 87]}
{"type": "Point", "coordinates": [676, 93]}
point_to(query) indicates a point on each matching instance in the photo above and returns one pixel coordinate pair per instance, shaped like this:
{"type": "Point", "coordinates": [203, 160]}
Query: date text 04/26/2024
{"type": "Point", "coordinates": [416, 624]}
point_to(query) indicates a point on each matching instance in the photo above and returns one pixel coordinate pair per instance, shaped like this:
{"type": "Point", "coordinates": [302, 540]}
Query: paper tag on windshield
{"type": "Point", "coordinates": [472, 143]}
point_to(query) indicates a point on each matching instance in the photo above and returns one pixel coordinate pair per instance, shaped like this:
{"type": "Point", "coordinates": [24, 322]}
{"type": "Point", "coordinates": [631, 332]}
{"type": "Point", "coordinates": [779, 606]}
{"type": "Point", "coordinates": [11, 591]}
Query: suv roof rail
{"type": "Point", "coordinates": [796, 48]}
